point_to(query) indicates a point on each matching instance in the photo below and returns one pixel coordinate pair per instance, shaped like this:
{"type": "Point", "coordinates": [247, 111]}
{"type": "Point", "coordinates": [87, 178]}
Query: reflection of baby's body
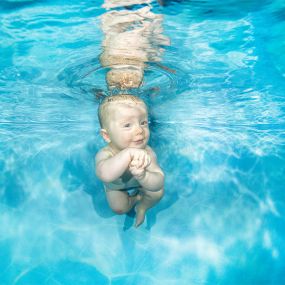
{"type": "Point", "coordinates": [132, 38]}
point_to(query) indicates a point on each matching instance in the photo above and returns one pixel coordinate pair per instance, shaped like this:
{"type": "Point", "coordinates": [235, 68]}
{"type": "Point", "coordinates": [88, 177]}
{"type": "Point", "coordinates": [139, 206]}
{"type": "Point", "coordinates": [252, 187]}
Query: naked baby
{"type": "Point", "coordinates": [127, 163]}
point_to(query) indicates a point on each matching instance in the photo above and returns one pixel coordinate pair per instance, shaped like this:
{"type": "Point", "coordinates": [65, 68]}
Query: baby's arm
{"type": "Point", "coordinates": [151, 177]}
{"type": "Point", "coordinates": [110, 168]}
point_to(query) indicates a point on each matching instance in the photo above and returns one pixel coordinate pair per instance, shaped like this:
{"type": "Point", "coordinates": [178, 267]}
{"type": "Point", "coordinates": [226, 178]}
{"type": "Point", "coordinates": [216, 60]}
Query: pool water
{"type": "Point", "coordinates": [217, 126]}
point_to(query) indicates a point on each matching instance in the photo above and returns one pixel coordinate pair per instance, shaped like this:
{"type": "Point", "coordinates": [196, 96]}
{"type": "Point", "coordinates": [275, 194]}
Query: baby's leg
{"type": "Point", "coordinates": [120, 201]}
{"type": "Point", "coordinates": [148, 200]}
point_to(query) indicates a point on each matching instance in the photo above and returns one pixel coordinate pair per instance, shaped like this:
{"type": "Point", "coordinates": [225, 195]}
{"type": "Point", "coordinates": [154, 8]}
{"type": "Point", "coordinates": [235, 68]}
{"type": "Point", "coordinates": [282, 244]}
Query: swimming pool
{"type": "Point", "coordinates": [217, 127]}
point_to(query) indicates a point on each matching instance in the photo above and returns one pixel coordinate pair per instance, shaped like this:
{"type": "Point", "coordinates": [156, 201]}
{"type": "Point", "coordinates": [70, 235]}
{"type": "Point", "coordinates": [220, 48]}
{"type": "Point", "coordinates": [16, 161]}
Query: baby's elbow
{"type": "Point", "coordinates": [107, 179]}
{"type": "Point", "coordinates": [103, 176]}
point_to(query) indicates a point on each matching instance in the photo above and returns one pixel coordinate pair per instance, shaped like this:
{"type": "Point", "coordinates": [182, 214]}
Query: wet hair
{"type": "Point", "coordinates": [104, 107]}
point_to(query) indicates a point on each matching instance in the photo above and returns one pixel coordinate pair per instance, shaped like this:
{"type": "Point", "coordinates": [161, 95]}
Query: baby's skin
{"type": "Point", "coordinates": [127, 161]}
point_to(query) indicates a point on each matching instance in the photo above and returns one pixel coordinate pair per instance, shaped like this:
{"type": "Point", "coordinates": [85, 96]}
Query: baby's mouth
{"type": "Point", "coordinates": [139, 141]}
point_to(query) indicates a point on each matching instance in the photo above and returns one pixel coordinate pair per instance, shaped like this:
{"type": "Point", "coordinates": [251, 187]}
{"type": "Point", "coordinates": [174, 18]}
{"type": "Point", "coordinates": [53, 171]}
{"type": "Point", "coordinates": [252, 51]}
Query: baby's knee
{"type": "Point", "coordinates": [119, 209]}
{"type": "Point", "coordinates": [160, 194]}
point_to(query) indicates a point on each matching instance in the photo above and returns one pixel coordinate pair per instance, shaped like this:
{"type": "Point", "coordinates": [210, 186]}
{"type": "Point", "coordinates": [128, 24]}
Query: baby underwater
{"type": "Point", "coordinates": [127, 166]}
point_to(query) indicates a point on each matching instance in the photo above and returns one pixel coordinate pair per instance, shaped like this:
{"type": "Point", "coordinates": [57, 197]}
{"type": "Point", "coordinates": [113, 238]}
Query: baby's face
{"type": "Point", "coordinates": [128, 126]}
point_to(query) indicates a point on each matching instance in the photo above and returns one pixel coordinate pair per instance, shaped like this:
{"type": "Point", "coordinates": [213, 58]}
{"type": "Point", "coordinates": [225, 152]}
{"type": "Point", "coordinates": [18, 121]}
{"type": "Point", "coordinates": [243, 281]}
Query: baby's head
{"type": "Point", "coordinates": [125, 77]}
{"type": "Point", "coordinates": [111, 103]}
{"type": "Point", "coordinates": [124, 121]}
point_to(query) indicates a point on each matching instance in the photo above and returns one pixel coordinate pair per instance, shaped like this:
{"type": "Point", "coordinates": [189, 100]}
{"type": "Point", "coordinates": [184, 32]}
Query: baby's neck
{"type": "Point", "coordinates": [113, 149]}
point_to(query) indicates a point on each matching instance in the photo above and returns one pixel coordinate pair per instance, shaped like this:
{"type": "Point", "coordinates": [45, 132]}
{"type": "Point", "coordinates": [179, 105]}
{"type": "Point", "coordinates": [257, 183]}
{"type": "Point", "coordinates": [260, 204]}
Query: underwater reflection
{"type": "Point", "coordinates": [132, 38]}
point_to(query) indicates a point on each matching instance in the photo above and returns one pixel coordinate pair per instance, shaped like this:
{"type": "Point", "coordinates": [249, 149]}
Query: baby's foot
{"type": "Point", "coordinates": [140, 216]}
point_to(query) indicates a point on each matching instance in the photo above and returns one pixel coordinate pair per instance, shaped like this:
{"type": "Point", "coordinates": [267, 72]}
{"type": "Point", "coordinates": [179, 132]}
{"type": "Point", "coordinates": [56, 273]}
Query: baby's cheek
{"type": "Point", "coordinates": [147, 134]}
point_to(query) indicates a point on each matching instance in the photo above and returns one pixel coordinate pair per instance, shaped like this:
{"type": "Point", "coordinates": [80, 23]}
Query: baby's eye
{"type": "Point", "coordinates": [144, 123]}
{"type": "Point", "coordinates": [127, 125]}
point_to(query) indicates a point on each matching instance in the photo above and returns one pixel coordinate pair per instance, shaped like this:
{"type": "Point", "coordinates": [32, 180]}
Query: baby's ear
{"type": "Point", "coordinates": [105, 135]}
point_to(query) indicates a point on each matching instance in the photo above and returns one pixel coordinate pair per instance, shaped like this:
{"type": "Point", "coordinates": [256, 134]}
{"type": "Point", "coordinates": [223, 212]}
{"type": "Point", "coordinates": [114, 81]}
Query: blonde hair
{"type": "Point", "coordinates": [103, 110]}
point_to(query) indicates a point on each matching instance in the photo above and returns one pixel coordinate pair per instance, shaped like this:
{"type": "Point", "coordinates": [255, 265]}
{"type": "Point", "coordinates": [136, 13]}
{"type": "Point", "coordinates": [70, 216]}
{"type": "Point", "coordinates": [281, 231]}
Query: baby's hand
{"type": "Point", "coordinates": [139, 158]}
{"type": "Point", "coordinates": [138, 173]}
{"type": "Point", "coordinates": [140, 161]}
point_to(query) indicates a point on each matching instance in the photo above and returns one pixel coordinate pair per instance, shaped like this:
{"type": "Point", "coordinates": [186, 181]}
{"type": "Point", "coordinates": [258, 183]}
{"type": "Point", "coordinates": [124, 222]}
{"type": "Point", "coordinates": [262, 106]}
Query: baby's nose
{"type": "Point", "coordinates": [139, 129]}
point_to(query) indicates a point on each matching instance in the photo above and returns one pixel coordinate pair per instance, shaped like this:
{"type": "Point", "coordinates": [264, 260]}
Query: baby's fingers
{"type": "Point", "coordinates": [144, 164]}
{"type": "Point", "coordinates": [134, 163]}
{"type": "Point", "coordinates": [147, 161]}
{"type": "Point", "coordinates": [136, 171]}
{"type": "Point", "coordinates": [141, 161]}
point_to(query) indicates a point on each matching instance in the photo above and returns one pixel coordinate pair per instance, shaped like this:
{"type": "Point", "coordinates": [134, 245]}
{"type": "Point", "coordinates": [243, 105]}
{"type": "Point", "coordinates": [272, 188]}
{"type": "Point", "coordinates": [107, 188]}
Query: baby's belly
{"type": "Point", "coordinates": [120, 185]}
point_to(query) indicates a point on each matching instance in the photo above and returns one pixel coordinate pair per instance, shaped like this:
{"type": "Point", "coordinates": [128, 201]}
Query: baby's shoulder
{"type": "Point", "coordinates": [150, 151]}
{"type": "Point", "coordinates": [103, 153]}
{"type": "Point", "coordinates": [148, 148]}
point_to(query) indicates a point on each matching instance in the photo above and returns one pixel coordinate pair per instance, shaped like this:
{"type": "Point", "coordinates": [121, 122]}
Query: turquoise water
{"type": "Point", "coordinates": [217, 126]}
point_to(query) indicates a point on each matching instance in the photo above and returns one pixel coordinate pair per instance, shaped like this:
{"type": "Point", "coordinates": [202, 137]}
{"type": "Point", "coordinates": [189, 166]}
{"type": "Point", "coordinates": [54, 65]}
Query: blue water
{"type": "Point", "coordinates": [217, 126]}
